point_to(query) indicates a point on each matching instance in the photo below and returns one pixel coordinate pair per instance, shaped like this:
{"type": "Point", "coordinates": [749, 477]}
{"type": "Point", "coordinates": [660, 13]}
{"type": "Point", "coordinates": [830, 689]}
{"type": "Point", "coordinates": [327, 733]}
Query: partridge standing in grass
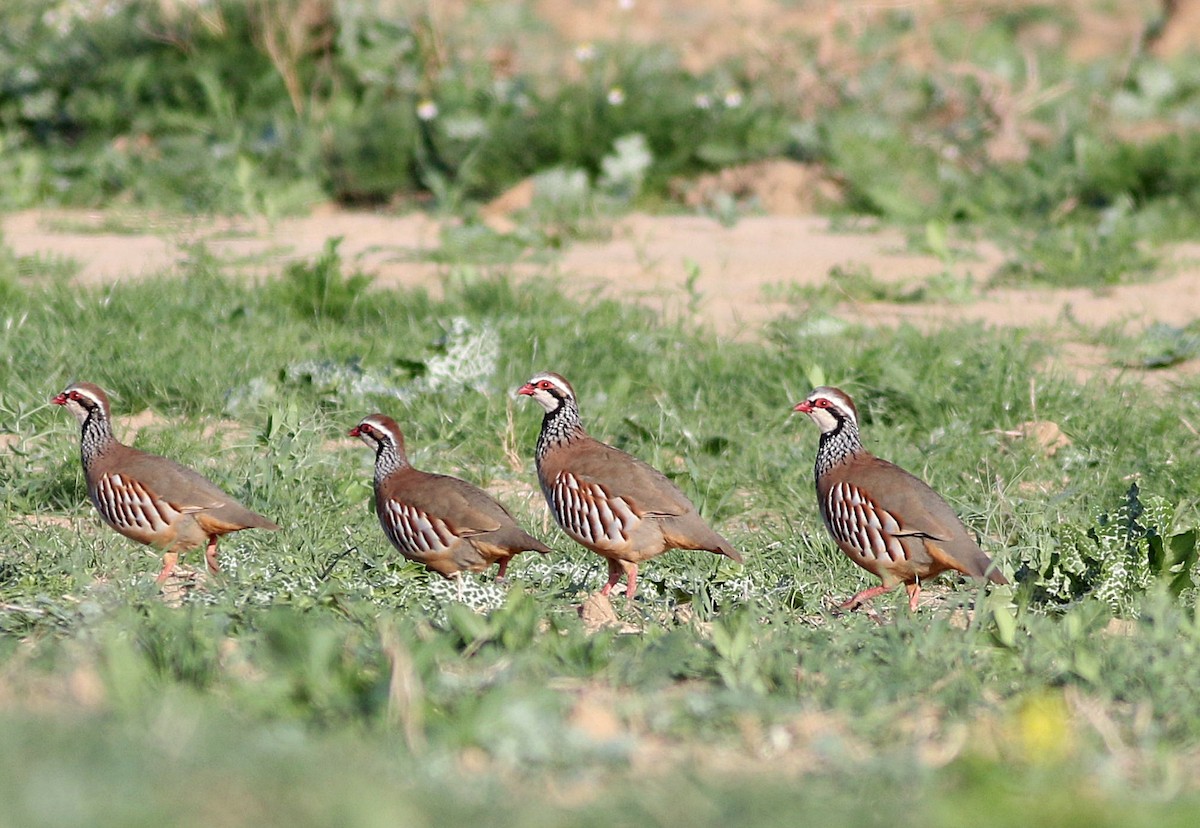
{"type": "Point", "coordinates": [606, 500]}
{"type": "Point", "coordinates": [886, 520]}
{"type": "Point", "coordinates": [148, 498]}
{"type": "Point", "coordinates": [440, 521]}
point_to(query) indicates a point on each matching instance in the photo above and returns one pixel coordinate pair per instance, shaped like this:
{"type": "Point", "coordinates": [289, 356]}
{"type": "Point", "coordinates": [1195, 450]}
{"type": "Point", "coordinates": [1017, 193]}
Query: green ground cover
{"type": "Point", "coordinates": [322, 678]}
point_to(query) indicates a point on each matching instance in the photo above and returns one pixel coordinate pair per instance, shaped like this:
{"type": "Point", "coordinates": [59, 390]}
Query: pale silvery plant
{"type": "Point", "coordinates": [472, 354]}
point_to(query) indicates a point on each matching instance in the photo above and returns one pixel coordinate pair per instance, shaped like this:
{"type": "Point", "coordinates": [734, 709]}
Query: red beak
{"type": "Point", "coordinates": [354, 432]}
{"type": "Point", "coordinates": [804, 406]}
{"type": "Point", "coordinates": [527, 390]}
{"type": "Point", "coordinates": [60, 399]}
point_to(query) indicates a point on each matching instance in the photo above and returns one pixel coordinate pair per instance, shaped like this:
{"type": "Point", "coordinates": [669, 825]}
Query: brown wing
{"type": "Point", "coordinates": [856, 521]}
{"type": "Point", "coordinates": [188, 491]}
{"type": "Point", "coordinates": [611, 501]}
{"type": "Point", "coordinates": [415, 532]}
{"type": "Point", "coordinates": [644, 488]}
{"type": "Point", "coordinates": [591, 513]}
{"type": "Point", "coordinates": [131, 508]}
{"type": "Point", "coordinates": [886, 508]}
{"type": "Point", "coordinates": [432, 516]}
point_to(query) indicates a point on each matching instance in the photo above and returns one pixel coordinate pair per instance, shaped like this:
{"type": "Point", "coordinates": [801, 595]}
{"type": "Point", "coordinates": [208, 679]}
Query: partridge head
{"type": "Point", "coordinates": [606, 500]}
{"type": "Point", "coordinates": [440, 521]}
{"type": "Point", "coordinates": [148, 498]}
{"type": "Point", "coordinates": [886, 520]}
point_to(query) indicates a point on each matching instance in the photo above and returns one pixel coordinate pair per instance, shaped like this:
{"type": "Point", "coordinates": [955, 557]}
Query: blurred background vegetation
{"type": "Point", "coordinates": [1066, 130]}
{"type": "Point", "coordinates": [920, 110]}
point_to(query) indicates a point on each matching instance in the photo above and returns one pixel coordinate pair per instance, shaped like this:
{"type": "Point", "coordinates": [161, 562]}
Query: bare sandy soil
{"type": "Point", "coordinates": [741, 274]}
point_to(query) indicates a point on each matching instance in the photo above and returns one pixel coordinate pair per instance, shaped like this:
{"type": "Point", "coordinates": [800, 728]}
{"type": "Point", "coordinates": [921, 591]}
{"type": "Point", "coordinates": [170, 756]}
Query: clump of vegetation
{"type": "Point", "coordinates": [319, 289]}
{"type": "Point", "coordinates": [267, 107]}
{"type": "Point", "coordinates": [1159, 345]}
{"type": "Point", "coordinates": [1117, 559]}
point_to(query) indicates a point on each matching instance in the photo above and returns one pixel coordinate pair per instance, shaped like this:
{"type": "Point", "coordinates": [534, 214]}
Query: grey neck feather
{"type": "Point", "coordinates": [388, 458]}
{"type": "Point", "coordinates": [838, 445]}
{"type": "Point", "coordinates": [559, 427]}
{"type": "Point", "coordinates": [97, 436]}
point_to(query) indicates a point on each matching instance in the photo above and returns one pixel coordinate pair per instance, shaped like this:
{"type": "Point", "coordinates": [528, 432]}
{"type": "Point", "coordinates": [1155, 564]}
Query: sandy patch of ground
{"type": "Point", "coordinates": [381, 244]}
{"type": "Point", "coordinates": [770, 33]}
{"type": "Point", "coordinates": [739, 275]}
{"type": "Point", "coordinates": [691, 268]}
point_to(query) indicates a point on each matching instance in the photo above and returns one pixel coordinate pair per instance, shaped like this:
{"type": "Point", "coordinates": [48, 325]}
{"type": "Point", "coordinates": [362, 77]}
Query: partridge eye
{"type": "Point", "coordinates": [544, 385]}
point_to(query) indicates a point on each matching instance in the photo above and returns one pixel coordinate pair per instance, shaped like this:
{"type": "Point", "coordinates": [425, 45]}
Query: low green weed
{"type": "Point", "coordinates": [319, 290]}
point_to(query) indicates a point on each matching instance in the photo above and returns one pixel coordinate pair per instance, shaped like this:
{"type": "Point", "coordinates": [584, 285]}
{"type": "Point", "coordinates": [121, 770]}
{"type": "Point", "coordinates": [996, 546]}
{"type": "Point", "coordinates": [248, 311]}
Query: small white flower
{"type": "Point", "coordinates": [733, 99]}
{"type": "Point", "coordinates": [427, 110]}
{"type": "Point", "coordinates": [616, 96]}
{"type": "Point", "coordinates": [585, 52]}
{"type": "Point", "coordinates": [702, 101]}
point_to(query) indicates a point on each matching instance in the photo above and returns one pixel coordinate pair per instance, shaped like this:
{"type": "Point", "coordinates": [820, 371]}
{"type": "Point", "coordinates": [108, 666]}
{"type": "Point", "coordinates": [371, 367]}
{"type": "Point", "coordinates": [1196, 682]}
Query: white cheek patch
{"type": "Point", "coordinates": [824, 419]}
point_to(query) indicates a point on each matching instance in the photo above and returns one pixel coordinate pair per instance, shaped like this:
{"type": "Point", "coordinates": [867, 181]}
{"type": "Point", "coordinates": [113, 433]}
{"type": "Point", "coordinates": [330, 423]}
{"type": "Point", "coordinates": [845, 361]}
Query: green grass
{"type": "Point", "coordinates": [321, 678]}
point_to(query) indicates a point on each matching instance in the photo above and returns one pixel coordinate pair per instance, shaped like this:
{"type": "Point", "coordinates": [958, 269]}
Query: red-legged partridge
{"type": "Point", "coordinates": [606, 500]}
{"type": "Point", "coordinates": [886, 520]}
{"type": "Point", "coordinates": [148, 498]}
{"type": "Point", "coordinates": [440, 521]}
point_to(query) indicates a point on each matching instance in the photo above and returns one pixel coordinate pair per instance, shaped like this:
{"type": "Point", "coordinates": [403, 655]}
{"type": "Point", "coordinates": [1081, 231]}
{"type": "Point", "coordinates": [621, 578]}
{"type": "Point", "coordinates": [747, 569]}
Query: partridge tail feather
{"type": "Point", "coordinates": [971, 560]}
{"type": "Point", "coordinates": [695, 534]}
{"type": "Point", "coordinates": [988, 569]}
{"type": "Point", "coordinates": [515, 538]}
{"type": "Point", "coordinates": [728, 551]}
{"type": "Point", "coordinates": [228, 521]}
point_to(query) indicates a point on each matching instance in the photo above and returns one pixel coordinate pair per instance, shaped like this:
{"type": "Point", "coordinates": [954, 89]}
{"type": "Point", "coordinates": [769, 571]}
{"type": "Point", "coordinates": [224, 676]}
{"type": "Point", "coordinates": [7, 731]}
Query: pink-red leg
{"type": "Point", "coordinates": [503, 568]}
{"type": "Point", "coordinates": [169, 561]}
{"type": "Point", "coordinates": [210, 555]}
{"type": "Point", "coordinates": [862, 597]}
{"type": "Point", "coordinates": [614, 576]}
{"type": "Point", "coordinates": [616, 569]}
{"type": "Point", "coordinates": [914, 595]}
